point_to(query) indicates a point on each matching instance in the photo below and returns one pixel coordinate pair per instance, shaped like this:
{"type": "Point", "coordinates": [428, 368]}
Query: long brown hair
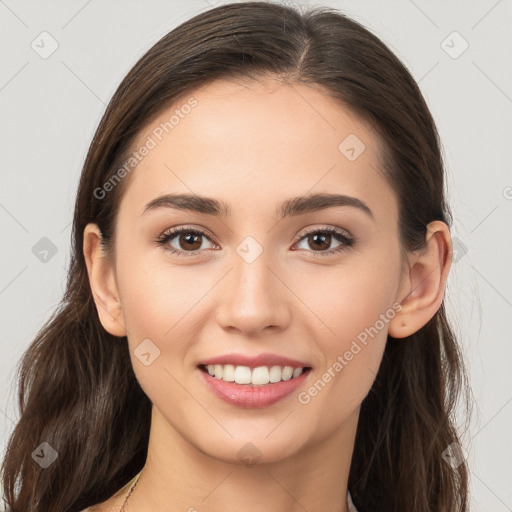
{"type": "Point", "coordinates": [77, 389]}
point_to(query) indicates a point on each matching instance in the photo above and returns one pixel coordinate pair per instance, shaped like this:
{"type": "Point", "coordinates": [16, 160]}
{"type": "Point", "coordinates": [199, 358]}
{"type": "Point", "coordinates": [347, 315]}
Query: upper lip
{"type": "Point", "coordinates": [265, 359]}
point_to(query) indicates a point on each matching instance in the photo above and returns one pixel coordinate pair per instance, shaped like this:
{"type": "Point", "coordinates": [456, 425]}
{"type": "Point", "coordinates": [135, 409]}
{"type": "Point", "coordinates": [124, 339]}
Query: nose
{"type": "Point", "coordinates": [253, 298]}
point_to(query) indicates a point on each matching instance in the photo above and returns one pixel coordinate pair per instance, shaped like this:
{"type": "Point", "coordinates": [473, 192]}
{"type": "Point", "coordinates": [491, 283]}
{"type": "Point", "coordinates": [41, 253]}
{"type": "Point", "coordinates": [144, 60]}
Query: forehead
{"type": "Point", "coordinates": [253, 145]}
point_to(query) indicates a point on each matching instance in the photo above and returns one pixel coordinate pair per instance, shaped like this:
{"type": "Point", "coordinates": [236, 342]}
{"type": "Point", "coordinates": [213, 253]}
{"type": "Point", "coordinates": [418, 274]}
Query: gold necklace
{"type": "Point", "coordinates": [350, 504]}
{"type": "Point", "coordinates": [130, 492]}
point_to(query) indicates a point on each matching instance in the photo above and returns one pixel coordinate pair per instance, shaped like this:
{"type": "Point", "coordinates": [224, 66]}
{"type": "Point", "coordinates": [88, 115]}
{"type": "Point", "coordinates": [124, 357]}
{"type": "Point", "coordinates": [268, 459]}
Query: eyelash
{"type": "Point", "coordinates": [347, 240]}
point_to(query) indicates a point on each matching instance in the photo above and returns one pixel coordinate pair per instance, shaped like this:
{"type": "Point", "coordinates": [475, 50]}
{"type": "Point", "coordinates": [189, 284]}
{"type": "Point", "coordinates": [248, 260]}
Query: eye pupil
{"type": "Point", "coordinates": [189, 241]}
{"type": "Point", "coordinates": [323, 237]}
{"type": "Point", "coordinates": [189, 237]}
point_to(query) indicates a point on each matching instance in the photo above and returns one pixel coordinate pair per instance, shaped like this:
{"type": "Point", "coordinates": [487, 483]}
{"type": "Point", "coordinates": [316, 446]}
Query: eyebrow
{"type": "Point", "coordinates": [290, 207]}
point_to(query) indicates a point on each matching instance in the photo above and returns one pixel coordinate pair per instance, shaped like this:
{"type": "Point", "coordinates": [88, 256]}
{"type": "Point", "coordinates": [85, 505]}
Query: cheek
{"type": "Point", "coordinates": [355, 307]}
{"type": "Point", "coordinates": [156, 295]}
{"type": "Point", "coordinates": [157, 313]}
{"type": "Point", "coordinates": [349, 299]}
{"type": "Point", "coordinates": [163, 303]}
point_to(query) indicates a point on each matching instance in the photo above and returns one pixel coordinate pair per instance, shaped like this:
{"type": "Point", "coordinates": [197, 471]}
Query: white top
{"type": "Point", "coordinates": [351, 507]}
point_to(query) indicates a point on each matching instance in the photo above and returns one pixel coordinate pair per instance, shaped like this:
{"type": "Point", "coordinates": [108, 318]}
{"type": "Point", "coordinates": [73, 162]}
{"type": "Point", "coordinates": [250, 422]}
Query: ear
{"type": "Point", "coordinates": [423, 285]}
{"type": "Point", "coordinates": [103, 282]}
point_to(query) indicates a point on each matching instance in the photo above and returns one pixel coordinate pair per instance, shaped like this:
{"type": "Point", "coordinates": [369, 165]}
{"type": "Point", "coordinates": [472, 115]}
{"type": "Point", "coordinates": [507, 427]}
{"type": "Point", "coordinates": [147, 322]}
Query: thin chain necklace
{"type": "Point", "coordinates": [351, 506]}
{"type": "Point", "coordinates": [130, 492]}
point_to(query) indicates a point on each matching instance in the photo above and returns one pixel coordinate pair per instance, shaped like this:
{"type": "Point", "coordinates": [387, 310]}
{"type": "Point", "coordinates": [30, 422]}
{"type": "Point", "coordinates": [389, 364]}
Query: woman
{"type": "Point", "coordinates": [254, 315]}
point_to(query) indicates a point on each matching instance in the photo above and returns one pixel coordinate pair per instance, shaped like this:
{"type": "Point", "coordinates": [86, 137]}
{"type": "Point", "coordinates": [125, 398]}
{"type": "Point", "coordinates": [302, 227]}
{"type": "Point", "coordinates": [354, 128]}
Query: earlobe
{"type": "Point", "coordinates": [425, 282]}
{"type": "Point", "coordinates": [103, 283]}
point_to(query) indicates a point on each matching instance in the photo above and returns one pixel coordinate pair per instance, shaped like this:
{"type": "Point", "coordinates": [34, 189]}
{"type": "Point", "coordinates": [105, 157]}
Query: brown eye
{"type": "Point", "coordinates": [319, 240]}
{"type": "Point", "coordinates": [187, 241]}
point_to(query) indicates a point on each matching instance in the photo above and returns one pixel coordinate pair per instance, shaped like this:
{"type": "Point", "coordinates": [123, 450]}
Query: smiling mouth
{"type": "Point", "coordinates": [253, 377]}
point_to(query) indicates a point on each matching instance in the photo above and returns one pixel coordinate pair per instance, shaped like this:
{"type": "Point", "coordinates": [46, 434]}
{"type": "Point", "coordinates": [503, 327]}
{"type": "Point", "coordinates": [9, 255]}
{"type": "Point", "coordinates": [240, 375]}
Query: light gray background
{"type": "Point", "coordinates": [50, 109]}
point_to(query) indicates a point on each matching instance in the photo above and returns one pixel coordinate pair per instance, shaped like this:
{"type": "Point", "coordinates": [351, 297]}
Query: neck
{"type": "Point", "coordinates": [178, 476]}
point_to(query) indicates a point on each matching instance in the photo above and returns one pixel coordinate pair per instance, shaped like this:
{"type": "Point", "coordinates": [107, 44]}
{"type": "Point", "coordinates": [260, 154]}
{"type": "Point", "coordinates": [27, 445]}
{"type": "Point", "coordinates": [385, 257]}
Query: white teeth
{"type": "Point", "coordinates": [287, 373]}
{"type": "Point", "coordinates": [259, 376]}
{"type": "Point", "coordinates": [228, 373]}
{"type": "Point", "coordinates": [242, 375]}
{"type": "Point", "coordinates": [275, 374]}
{"type": "Point", "coordinates": [297, 372]}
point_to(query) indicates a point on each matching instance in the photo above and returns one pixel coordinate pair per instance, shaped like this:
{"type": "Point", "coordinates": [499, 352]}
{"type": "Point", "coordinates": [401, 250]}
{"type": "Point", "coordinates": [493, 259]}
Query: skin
{"type": "Point", "coordinates": [255, 146]}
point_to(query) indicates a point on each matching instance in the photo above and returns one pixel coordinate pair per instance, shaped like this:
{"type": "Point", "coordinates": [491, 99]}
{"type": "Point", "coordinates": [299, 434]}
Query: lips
{"type": "Point", "coordinates": [265, 359]}
{"type": "Point", "coordinates": [251, 397]}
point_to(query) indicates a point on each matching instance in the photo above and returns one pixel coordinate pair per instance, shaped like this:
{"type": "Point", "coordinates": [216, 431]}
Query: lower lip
{"type": "Point", "coordinates": [253, 397]}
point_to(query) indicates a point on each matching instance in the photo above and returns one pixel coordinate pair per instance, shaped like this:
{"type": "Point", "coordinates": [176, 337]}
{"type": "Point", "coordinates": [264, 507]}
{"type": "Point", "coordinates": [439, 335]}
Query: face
{"type": "Point", "coordinates": [251, 281]}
